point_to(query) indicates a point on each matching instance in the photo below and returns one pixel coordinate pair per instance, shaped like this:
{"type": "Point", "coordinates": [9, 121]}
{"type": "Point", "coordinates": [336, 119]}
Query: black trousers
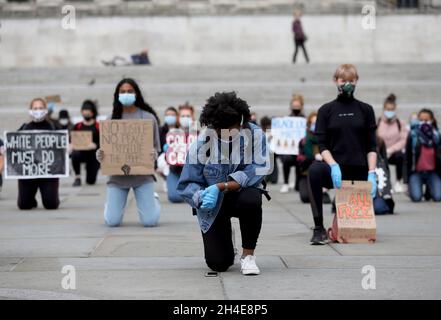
{"type": "Point", "coordinates": [218, 244]}
{"type": "Point", "coordinates": [289, 161]}
{"type": "Point", "coordinates": [301, 44]}
{"type": "Point", "coordinates": [319, 177]}
{"type": "Point", "coordinates": [397, 159]}
{"type": "Point", "coordinates": [27, 190]}
{"type": "Point", "coordinates": [92, 165]}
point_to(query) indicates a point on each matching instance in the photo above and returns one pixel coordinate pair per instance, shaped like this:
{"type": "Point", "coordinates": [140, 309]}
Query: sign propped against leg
{"type": "Point", "coordinates": [127, 147]}
{"type": "Point", "coordinates": [354, 221]}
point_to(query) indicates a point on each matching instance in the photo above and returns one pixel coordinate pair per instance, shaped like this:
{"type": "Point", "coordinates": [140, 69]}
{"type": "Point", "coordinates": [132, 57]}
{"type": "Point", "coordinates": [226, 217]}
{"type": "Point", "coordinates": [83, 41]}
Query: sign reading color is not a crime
{"type": "Point", "coordinates": [36, 154]}
{"type": "Point", "coordinates": [127, 147]}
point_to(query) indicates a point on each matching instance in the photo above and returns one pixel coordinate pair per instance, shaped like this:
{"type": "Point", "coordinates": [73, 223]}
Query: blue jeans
{"type": "Point", "coordinates": [148, 206]}
{"type": "Point", "coordinates": [172, 184]}
{"type": "Point", "coordinates": [432, 181]}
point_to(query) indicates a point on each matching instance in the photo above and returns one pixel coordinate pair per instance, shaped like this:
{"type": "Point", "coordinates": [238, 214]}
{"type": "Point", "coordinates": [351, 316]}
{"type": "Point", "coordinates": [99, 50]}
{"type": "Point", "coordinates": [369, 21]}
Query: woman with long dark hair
{"type": "Point", "coordinates": [128, 104]}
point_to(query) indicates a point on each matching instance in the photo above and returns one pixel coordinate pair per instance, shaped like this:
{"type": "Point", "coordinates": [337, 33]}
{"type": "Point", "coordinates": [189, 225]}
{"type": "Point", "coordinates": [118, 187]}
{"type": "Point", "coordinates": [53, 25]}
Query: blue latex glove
{"type": "Point", "coordinates": [372, 177]}
{"type": "Point", "coordinates": [336, 175]}
{"type": "Point", "coordinates": [209, 197]}
{"type": "Point", "coordinates": [165, 147]}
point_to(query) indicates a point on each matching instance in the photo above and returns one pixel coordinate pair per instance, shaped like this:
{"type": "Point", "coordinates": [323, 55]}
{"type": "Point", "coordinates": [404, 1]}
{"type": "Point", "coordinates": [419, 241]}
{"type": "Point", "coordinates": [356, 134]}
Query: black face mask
{"type": "Point", "coordinates": [295, 112]}
{"type": "Point", "coordinates": [87, 118]}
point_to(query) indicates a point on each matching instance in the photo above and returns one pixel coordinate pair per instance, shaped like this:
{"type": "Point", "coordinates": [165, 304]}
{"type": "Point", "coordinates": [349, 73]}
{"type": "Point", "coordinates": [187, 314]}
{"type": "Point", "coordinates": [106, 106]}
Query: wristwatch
{"type": "Point", "coordinates": [225, 187]}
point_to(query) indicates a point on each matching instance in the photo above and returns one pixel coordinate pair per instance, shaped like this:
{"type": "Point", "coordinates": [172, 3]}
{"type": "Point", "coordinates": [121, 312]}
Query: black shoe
{"type": "Point", "coordinates": [326, 198]}
{"type": "Point", "coordinates": [319, 236]}
{"type": "Point", "coordinates": [77, 182]}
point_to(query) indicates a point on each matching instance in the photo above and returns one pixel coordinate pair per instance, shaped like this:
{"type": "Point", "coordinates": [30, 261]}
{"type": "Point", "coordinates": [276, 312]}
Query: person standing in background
{"type": "Point", "coordinates": [299, 36]}
{"type": "Point", "coordinates": [393, 131]}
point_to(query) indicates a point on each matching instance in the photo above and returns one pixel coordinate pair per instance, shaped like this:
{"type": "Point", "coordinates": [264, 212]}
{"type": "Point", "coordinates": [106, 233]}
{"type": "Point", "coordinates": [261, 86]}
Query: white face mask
{"type": "Point", "coordinates": [38, 115]}
{"type": "Point", "coordinates": [64, 122]}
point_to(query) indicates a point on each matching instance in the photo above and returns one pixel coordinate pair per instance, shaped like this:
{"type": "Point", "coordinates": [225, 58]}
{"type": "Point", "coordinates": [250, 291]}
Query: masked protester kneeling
{"type": "Point", "coordinates": [222, 178]}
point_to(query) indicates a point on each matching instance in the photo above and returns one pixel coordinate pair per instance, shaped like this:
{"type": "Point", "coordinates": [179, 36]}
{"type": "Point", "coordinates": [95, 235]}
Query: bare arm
{"type": "Point", "coordinates": [327, 157]}
{"type": "Point", "coordinates": [372, 160]}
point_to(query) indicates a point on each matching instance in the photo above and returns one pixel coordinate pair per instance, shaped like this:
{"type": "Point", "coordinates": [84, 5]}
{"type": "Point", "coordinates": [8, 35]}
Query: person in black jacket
{"type": "Point", "coordinates": [27, 188]}
{"type": "Point", "coordinates": [345, 131]}
{"type": "Point", "coordinates": [89, 112]}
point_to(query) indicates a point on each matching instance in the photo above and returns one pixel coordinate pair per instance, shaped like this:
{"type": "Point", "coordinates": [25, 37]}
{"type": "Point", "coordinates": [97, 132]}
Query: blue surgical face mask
{"type": "Point", "coordinates": [389, 114]}
{"type": "Point", "coordinates": [127, 99]}
{"type": "Point", "coordinates": [312, 127]}
{"type": "Point", "coordinates": [414, 123]}
{"type": "Point", "coordinates": [170, 120]}
{"type": "Point", "coordinates": [185, 122]}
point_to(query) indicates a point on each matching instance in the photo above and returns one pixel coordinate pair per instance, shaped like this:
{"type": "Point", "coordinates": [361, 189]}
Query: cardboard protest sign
{"type": "Point", "coordinates": [36, 154]}
{"type": "Point", "coordinates": [354, 221]}
{"type": "Point", "coordinates": [81, 139]}
{"type": "Point", "coordinates": [53, 99]}
{"type": "Point", "coordinates": [127, 147]}
{"type": "Point", "coordinates": [286, 134]}
{"type": "Point", "coordinates": [178, 143]}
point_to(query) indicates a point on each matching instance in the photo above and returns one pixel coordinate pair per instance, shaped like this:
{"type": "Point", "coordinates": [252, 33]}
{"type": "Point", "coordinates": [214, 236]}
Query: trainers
{"type": "Point", "coordinates": [319, 236]}
{"type": "Point", "coordinates": [248, 266]}
{"type": "Point", "coordinates": [398, 187]}
{"type": "Point", "coordinates": [292, 186]}
{"type": "Point", "coordinates": [77, 182]}
{"type": "Point", "coordinates": [285, 188]}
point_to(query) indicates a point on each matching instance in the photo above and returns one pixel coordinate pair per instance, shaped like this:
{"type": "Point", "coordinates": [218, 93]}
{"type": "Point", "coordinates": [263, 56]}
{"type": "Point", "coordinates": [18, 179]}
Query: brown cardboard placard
{"type": "Point", "coordinates": [355, 215]}
{"type": "Point", "coordinates": [81, 139]}
{"type": "Point", "coordinates": [127, 146]}
{"type": "Point", "coordinates": [54, 98]}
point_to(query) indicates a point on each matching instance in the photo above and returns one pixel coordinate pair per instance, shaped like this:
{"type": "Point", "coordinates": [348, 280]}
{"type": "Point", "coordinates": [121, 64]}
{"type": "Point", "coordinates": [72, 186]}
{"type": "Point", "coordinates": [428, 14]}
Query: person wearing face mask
{"type": "Point", "coordinates": [129, 104]}
{"type": "Point", "coordinates": [423, 158]}
{"type": "Point", "coordinates": [346, 135]}
{"type": "Point", "coordinates": [28, 188]}
{"type": "Point", "coordinates": [308, 154]}
{"type": "Point", "coordinates": [393, 131]}
{"type": "Point", "coordinates": [223, 184]}
{"type": "Point", "coordinates": [186, 119]}
{"type": "Point", "coordinates": [288, 161]}
{"type": "Point", "coordinates": [170, 122]}
{"type": "Point", "coordinates": [64, 122]}
{"type": "Point", "coordinates": [89, 112]}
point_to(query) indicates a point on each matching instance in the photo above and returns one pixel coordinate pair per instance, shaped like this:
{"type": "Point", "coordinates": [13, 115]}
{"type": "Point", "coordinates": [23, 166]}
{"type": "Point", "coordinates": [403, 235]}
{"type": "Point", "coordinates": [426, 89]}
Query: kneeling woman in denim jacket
{"type": "Point", "coordinates": [222, 179]}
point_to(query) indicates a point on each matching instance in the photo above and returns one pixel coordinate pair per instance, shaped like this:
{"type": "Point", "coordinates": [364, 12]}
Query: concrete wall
{"type": "Point", "coordinates": [219, 40]}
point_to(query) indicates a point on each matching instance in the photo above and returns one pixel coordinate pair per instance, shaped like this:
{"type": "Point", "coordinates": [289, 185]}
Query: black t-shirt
{"type": "Point", "coordinates": [346, 127]}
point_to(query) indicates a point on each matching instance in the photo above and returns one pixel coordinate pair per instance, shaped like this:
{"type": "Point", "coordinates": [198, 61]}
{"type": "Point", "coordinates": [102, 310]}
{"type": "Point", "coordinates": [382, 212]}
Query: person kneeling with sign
{"type": "Point", "coordinates": [222, 179]}
{"type": "Point", "coordinates": [345, 131]}
{"type": "Point", "coordinates": [27, 188]}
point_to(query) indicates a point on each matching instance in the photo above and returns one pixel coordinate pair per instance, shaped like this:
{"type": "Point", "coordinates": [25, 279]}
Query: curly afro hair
{"type": "Point", "coordinates": [224, 110]}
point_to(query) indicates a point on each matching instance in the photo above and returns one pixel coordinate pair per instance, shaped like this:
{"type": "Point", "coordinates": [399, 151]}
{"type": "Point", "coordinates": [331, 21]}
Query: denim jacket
{"type": "Point", "coordinates": [198, 175]}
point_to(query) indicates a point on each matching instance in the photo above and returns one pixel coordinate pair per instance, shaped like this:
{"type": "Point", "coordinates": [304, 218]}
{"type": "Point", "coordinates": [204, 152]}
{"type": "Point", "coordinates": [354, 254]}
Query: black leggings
{"type": "Point", "coordinates": [319, 177]}
{"type": "Point", "coordinates": [397, 159]}
{"type": "Point", "coordinates": [218, 245]}
{"type": "Point", "coordinates": [27, 189]}
{"type": "Point", "coordinates": [92, 165]}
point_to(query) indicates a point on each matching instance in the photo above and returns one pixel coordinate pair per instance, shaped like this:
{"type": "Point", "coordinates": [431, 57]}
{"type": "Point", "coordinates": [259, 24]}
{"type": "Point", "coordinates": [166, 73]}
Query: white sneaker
{"type": "Point", "coordinates": [248, 266]}
{"type": "Point", "coordinates": [398, 187]}
{"type": "Point", "coordinates": [292, 185]}
{"type": "Point", "coordinates": [284, 189]}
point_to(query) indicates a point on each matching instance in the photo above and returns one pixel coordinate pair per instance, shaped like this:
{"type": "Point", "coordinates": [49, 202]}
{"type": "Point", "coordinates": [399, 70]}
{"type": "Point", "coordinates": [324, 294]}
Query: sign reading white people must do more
{"type": "Point", "coordinates": [36, 154]}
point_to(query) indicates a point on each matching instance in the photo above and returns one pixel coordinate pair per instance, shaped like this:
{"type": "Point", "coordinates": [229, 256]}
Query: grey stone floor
{"type": "Point", "coordinates": [165, 262]}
